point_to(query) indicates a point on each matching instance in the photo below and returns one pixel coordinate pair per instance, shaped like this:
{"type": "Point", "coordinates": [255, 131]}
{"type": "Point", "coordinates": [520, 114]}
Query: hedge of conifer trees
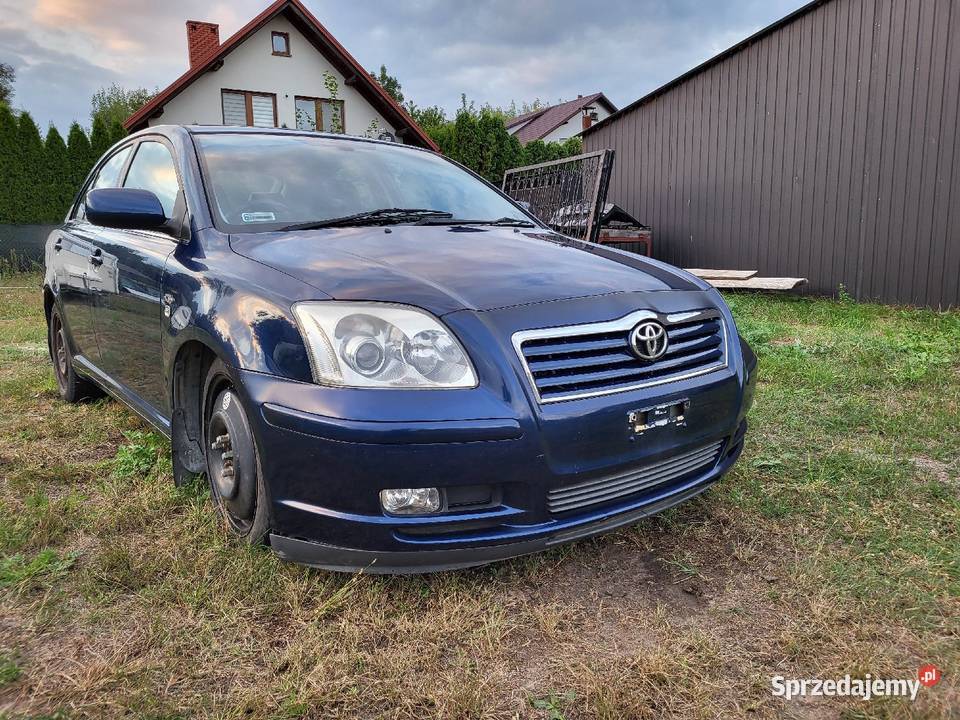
{"type": "Point", "coordinates": [480, 140]}
{"type": "Point", "coordinates": [39, 177]}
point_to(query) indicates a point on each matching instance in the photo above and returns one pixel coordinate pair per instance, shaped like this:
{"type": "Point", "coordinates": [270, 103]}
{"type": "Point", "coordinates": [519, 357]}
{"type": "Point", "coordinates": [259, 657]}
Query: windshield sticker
{"type": "Point", "coordinates": [255, 217]}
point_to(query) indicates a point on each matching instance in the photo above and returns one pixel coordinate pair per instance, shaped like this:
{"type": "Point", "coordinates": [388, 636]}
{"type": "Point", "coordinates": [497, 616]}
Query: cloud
{"type": "Point", "coordinates": [54, 86]}
{"type": "Point", "coordinates": [493, 50]}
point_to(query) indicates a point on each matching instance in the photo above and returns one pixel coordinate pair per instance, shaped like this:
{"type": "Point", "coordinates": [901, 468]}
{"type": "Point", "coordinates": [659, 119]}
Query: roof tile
{"type": "Point", "coordinates": [546, 120]}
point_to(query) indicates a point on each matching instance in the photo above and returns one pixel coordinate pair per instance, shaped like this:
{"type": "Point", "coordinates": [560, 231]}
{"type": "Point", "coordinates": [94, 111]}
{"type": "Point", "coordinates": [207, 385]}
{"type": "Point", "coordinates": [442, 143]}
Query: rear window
{"type": "Point", "coordinates": [262, 182]}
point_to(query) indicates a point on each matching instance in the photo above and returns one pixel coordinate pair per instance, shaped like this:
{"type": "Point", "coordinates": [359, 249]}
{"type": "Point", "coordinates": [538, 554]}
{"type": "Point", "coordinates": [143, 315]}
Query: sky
{"type": "Point", "coordinates": [495, 51]}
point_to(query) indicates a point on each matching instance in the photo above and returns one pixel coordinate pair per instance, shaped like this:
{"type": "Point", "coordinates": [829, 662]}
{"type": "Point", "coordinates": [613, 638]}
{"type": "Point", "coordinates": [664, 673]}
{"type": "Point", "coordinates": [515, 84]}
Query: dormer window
{"type": "Point", "coordinates": [281, 44]}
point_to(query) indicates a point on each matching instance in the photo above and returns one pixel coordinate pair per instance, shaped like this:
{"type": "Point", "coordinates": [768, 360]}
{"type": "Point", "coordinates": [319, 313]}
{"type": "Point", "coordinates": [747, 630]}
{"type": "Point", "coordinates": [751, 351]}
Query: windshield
{"type": "Point", "coordinates": [266, 182]}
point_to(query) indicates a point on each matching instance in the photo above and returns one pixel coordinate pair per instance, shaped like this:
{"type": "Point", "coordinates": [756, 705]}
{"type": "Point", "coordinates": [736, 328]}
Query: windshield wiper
{"type": "Point", "coordinates": [382, 216]}
{"type": "Point", "coordinates": [500, 222]}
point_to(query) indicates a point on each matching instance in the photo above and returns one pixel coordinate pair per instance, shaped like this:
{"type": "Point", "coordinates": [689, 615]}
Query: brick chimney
{"type": "Point", "coordinates": [203, 39]}
{"type": "Point", "coordinates": [587, 118]}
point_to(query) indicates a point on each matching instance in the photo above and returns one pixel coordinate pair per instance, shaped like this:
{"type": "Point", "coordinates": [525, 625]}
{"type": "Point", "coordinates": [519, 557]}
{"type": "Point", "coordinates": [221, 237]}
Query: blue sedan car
{"type": "Point", "coordinates": [380, 361]}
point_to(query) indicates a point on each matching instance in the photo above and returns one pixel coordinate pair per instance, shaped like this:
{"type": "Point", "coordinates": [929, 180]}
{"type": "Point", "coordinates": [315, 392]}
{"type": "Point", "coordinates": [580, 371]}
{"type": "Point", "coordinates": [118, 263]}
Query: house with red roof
{"type": "Point", "coordinates": [282, 69]}
{"type": "Point", "coordinates": [563, 121]}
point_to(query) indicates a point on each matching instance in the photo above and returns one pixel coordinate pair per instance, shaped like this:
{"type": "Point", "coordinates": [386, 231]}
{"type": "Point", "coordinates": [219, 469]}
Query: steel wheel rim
{"type": "Point", "coordinates": [59, 351]}
{"type": "Point", "coordinates": [227, 475]}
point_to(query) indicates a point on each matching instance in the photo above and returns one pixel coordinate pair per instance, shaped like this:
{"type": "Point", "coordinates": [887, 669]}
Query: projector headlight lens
{"type": "Point", "coordinates": [380, 345]}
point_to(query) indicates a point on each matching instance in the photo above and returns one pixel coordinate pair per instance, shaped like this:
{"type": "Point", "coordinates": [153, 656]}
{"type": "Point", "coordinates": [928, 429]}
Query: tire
{"type": "Point", "coordinates": [233, 462]}
{"type": "Point", "coordinates": [72, 387]}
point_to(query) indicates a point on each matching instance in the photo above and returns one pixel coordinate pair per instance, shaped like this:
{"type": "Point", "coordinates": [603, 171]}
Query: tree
{"type": "Point", "coordinates": [389, 83]}
{"type": "Point", "coordinates": [29, 180]}
{"type": "Point", "coordinates": [9, 164]}
{"type": "Point", "coordinates": [479, 139]}
{"type": "Point", "coordinates": [466, 141]}
{"type": "Point", "coordinates": [500, 150]}
{"type": "Point", "coordinates": [8, 76]}
{"type": "Point", "coordinates": [116, 132]}
{"type": "Point", "coordinates": [427, 117]}
{"type": "Point", "coordinates": [57, 192]}
{"type": "Point", "coordinates": [99, 138]}
{"type": "Point", "coordinates": [444, 136]}
{"type": "Point", "coordinates": [79, 156]}
{"type": "Point", "coordinates": [536, 151]}
{"type": "Point", "coordinates": [525, 107]}
{"type": "Point", "coordinates": [116, 103]}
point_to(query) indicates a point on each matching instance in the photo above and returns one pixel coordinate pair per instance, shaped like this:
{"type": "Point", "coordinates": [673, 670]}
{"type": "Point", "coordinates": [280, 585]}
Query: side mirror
{"type": "Point", "coordinates": [125, 208]}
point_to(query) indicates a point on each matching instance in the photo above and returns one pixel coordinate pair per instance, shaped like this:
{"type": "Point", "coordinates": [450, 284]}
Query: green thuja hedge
{"type": "Point", "coordinates": [9, 164]}
{"type": "Point", "coordinates": [40, 177]}
{"type": "Point", "coordinates": [480, 140]}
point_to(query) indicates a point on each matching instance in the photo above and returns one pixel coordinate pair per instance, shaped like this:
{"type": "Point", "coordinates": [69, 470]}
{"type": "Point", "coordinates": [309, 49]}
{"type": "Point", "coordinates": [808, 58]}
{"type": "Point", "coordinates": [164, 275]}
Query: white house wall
{"type": "Point", "coordinates": [574, 126]}
{"type": "Point", "coordinates": [251, 66]}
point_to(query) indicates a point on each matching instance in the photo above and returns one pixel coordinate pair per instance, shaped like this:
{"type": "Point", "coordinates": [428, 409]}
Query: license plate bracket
{"type": "Point", "coordinates": [672, 414]}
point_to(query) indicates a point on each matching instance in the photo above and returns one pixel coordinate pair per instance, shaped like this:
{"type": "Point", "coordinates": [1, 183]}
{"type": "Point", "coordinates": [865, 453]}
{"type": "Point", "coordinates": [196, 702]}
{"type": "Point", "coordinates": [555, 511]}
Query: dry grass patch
{"type": "Point", "coordinates": [830, 549]}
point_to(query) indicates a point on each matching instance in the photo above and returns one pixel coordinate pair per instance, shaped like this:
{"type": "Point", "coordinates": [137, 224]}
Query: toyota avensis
{"type": "Point", "coordinates": [378, 359]}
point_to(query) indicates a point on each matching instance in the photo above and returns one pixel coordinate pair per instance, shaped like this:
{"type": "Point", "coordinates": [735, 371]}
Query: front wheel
{"type": "Point", "coordinates": [233, 465]}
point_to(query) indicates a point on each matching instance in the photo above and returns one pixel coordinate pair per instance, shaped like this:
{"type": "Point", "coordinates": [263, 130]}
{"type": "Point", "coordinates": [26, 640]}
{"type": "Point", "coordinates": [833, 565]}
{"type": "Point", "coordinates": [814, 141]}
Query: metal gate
{"type": "Point", "coordinates": [567, 194]}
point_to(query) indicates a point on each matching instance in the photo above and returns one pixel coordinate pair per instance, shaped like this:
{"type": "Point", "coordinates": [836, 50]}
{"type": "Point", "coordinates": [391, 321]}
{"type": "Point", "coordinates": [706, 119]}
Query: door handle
{"type": "Point", "coordinates": [96, 259]}
{"type": "Point", "coordinates": [58, 245]}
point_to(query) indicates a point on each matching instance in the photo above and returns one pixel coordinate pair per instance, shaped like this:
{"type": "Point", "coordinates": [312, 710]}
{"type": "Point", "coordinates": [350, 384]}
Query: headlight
{"type": "Point", "coordinates": [380, 345]}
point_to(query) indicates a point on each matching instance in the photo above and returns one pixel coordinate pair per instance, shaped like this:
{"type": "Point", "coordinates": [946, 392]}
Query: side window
{"type": "Point", "coordinates": [109, 176]}
{"type": "Point", "coordinates": [153, 169]}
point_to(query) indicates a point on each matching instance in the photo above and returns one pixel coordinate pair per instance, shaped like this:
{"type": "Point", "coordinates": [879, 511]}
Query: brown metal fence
{"type": "Point", "coordinates": [566, 194]}
{"type": "Point", "coordinates": [825, 147]}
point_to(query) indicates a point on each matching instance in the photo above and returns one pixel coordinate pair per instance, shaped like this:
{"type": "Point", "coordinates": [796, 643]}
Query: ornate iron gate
{"type": "Point", "coordinates": [567, 194]}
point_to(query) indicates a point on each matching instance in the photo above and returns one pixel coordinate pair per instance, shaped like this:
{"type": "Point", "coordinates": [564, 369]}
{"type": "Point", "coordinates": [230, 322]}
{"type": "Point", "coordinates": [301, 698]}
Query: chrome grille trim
{"type": "Point", "coordinates": [592, 492]}
{"type": "Point", "coordinates": [609, 347]}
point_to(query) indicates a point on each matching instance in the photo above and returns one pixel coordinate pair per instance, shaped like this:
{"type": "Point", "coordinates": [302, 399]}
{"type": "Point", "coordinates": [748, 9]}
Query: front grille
{"type": "Point", "coordinates": [592, 492]}
{"type": "Point", "coordinates": [585, 360]}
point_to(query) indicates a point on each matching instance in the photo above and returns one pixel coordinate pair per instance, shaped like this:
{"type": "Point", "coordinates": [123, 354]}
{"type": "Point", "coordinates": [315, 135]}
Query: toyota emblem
{"type": "Point", "coordinates": [648, 340]}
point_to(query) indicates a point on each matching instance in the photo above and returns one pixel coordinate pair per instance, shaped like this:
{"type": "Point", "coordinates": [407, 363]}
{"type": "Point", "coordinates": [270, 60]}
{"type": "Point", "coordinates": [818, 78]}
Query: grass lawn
{"type": "Point", "coordinates": [832, 548]}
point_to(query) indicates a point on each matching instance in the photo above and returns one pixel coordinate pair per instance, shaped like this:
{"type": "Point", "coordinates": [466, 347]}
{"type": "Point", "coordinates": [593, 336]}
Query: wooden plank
{"type": "Point", "coordinates": [759, 283]}
{"type": "Point", "coordinates": [722, 274]}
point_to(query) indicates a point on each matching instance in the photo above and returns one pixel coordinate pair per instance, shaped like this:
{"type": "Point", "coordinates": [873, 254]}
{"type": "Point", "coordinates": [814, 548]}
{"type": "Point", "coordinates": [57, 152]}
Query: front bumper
{"type": "Point", "coordinates": [332, 557]}
{"type": "Point", "coordinates": [324, 472]}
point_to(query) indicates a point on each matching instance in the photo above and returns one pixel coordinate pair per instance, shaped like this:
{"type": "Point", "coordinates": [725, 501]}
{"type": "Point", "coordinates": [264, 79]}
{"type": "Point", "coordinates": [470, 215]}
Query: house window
{"type": "Point", "coordinates": [253, 109]}
{"type": "Point", "coordinates": [320, 114]}
{"type": "Point", "coordinates": [281, 43]}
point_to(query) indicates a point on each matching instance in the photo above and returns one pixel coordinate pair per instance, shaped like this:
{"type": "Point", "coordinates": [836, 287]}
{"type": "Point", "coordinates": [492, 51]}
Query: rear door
{"type": "Point", "coordinates": [75, 264]}
{"type": "Point", "coordinates": [128, 314]}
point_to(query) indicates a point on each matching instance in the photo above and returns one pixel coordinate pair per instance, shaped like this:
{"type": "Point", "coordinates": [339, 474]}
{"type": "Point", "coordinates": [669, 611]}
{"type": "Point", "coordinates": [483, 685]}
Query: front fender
{"type": "Point", "coordinates": [237, 307]}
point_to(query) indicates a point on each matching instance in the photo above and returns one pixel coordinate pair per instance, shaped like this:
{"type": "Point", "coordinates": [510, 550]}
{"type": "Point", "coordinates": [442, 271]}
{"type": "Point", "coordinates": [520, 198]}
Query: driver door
{"type": "Point", "coordinates": [76, 268]}
{"type": "Point", "coordinates": [128, 313]}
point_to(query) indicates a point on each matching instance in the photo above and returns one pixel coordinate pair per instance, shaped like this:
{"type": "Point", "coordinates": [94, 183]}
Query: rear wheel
{"type": "Point", "coordinates": [72, 387]}
{"type": "Point", "coordinates": [233, 465]}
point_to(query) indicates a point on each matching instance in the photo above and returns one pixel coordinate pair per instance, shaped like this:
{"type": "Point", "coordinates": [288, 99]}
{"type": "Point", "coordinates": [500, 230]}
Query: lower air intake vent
{"type": "Point", "coordinates": [592, 492]}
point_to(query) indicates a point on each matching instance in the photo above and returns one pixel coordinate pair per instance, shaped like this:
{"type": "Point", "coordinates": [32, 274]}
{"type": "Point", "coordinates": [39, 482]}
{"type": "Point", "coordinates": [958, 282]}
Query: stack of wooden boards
{"type": "Point", "coordinates": [745, 280]}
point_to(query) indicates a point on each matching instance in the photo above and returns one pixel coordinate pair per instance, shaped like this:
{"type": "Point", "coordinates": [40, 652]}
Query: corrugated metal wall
{"type": "Point", "coordinates": [828, 148]}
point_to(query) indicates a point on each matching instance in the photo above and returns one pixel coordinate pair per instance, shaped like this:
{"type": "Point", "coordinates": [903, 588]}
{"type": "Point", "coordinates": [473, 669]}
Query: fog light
{"type": "Point", "coordinates": [410, 501]}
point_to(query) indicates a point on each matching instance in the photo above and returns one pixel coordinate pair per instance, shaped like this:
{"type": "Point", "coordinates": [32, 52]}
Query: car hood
{"type": "Point", "coordinates": [445, 269]}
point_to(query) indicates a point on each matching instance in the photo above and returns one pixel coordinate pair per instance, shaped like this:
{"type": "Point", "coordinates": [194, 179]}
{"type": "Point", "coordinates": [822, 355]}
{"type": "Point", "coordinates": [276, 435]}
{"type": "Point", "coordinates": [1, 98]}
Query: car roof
{"type": "Point", "coordinates": [243, 130]}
